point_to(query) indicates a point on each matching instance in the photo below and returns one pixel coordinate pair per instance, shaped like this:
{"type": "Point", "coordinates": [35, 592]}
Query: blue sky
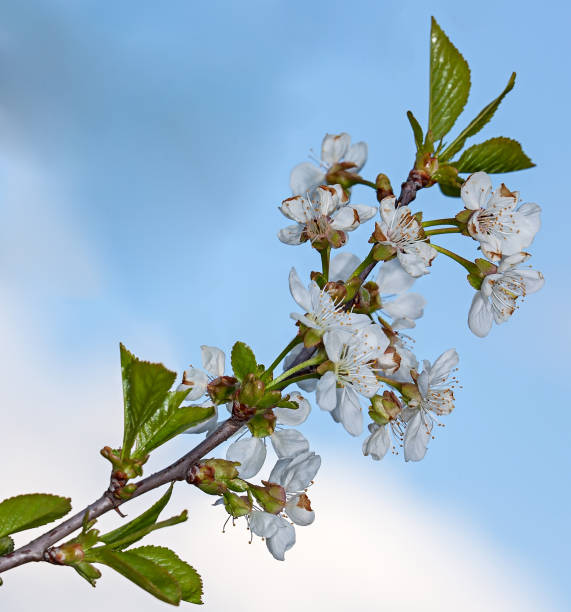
{"type": "Point", "coordinates": [146, 148]}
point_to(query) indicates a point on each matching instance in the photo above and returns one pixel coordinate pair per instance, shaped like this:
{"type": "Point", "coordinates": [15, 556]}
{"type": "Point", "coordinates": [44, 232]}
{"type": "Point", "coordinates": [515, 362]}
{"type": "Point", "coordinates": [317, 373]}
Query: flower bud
{"type": "Point", "coordinates": [242, 411]}
{"type": "Point", "coordinates": [212, 476]}
{"type": "Point", "coordinates": [123, 469]}
{"type": "Point", "coordinates": [271, 497]}
{"type": "Point", "coordinates": [222, 389]}
{"type": "Point", "coordinates": [262, 425]}
{"type": "Point", "coordinates": [237, 505]}
{"type": "Point", "coordinates": [384, 187]}
{"type": "Point", "coordinates": [384, 408]}
{"type": "Point", "coordinates": [251, 391]}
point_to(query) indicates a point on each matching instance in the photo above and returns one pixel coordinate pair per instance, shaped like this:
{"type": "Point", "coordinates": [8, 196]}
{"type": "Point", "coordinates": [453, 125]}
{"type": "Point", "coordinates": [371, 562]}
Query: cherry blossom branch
{"type": "Point", "coordinates": [179, 470]}
{"type": "Point", "coordinates": [417, 179]}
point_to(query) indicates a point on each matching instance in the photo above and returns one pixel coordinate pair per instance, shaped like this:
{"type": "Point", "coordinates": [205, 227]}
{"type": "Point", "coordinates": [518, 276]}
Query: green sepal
{"type": "Point", "coordinates": [450, 191]}
{"type": "Point", "coordinates": [262, 425]}
{"type": "Point", "coordinates": [271, 496]}
{"type": "Point", "coordinates": [449, 83]}
{"type": "Point", "coordinates": [145, 391]}
{"type": "Point", "coordinates": [285, 403]}
{"type": "Point", "coordinates": [87, 571]}
{"type": "Point", "coordinates": [145, 573]}
{"type": "Point", "coordinates": [243, 361]}
{"type": "Point", "coordinates": [416, 130]}
{"type": "Point", "coordinates": [142, 525]}
{"type": "Point", "coordinates": [312, 337]}
{"type": "Point", "coordinates": [31, 510]}
{"type": "Point", "coordinates": [6, 545]}
{"type": "Point", "coordinates": [477, 123]}
{"type": "Point", "coordinates": [238, 485]}
{"type": "Point", "coordinates": [494, 155]}
{"type": "Point", "coordinates": [187, 577]}
{"type": "Point", "coordinates": [474, 280]}
{"type": "Point", "coordinates": [448, 175]}
{"type": "Point", "coordinates": [270, 399]}
{"type": "Point", "coordinates": [170, 421]}
{"type": "Point", "coordinates": [237, 505]}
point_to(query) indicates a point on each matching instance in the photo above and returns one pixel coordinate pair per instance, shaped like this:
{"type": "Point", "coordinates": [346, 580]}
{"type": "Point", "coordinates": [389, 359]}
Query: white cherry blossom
{"type": "Point", "coordinates": [335, 148]}
{"type": "Point", "coordinates": [500, 228]}
{"type": "Point", "coordinates": [317, 216]}
{"type": "Point", "coordinates": [400, 229]}
{"type": "Point", "coordinates": [436, 399]}
{"type": "Point", "coordinates": [499, 293]}
{"type": "Point", "coordinates": [378, 442]}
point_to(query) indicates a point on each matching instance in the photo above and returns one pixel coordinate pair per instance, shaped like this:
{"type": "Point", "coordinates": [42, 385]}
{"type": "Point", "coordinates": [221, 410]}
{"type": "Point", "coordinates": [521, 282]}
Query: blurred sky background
{"type": "Point", "coordinates": [144, 150]}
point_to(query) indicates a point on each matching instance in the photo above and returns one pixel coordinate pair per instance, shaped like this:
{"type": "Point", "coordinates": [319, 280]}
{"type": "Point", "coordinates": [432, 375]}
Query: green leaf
{"type": "Point", "coordinates": [494, 155]}
{"type": "Point", "coordinates": [243, 361]}
{"type": "Point", "coordinates": [452, 191]}
{"type": "Point", "coordinates": [149, 517]}
{"type": "Point", "coordinates": [145, 390]}
{"type": "Point", "coordinates": [477, 123]}
{"type": "Point", "coordinates": [416, 129]}
{"type": "Point", "coordinates": [32, 510]}
{"type": "Point", "coordinates": [187, 577]}
{"type": "Point", "coordinates": [6, 545]}
{"type": "Point", "coordinates": [143, 572]}
{"type": "Point", "coordinates": [87, 571]}
{"type": "Point", "coordinates": [449, 83]}
{"type": "Point", "coordinates": [170, 421]}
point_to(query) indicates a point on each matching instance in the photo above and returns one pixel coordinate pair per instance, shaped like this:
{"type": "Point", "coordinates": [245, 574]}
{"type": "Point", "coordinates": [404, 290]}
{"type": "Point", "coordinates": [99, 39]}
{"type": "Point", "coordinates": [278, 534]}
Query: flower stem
{"type": "Point", "coordinates": [392, 383]}
{"type": "Point", "coordinates": [286, 350]}
{"type": "Point", "coordinates": [469, 265]}
{"type": "Point", "coordinates": [300, 366]}
{"type": "Point", "coordinates": [448, 221]}
{"type": "Point", "coordinates": [447, 230]}
{"type": "Point", "coordinates": [325, 253]}
{"type": "Point", "coordinates": [363, 181]}
{"type": "Point", "coordinates": [295, 379]}
{"type": "Point", "coordinates": [363, 265]}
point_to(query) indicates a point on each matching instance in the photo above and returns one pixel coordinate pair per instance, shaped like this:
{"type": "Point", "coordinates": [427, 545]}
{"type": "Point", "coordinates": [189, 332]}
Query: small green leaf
{"type": "Point", "coordinates": [87, 571]}
{"type": "Point", "coordinates": [32, 510]}
{"type": "Point", "coordinates": [170, 421]}
{"type": "Point", "coordinates": [149, 517]}
{"type": "Point", "coordinates": [243, 361]}
{"type": "Point", "coordinates": [6, 545]}
{"type": "Point", "coordinates": [449, 83]}
{"type": "Point", "coordinates": [187, 577]}
{"type": "Point", "coordinates": [287, 404]}
{"type": "Point", "coordinates": [416, 130]}
{"type": "Point", "coordinates": [477, 123]}
{"type": "Point", "coordinates": [145, 390]}
{"type": "Point", "coordinates": [494, 155]}
{"type": "Point", "coordinates": [451, 191]}
{"type": "Point", "coordinates": [145, 573]}
{"type": "Point", "coordinates": [270, 399]}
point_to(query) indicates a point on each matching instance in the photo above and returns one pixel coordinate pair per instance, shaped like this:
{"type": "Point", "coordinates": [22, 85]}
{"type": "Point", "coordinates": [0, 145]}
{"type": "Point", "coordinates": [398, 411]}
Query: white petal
{"type": "Point", "coordinates": [213, 360]}
{"type": "Point", "coordinates": [409, 306]}
{"type": "Point", "coordinates": [416, 438]}
{"type": "Point", "coordinates": [346, 219]}
{"type": "Point", "coordinates": [291, 234]}
{"type": "Point", "coordinates": [282, 540]}
{"type": "Point", "coordinates": [325, 394]}
{"type": "Point", "coordinates": [533, 279]}
{"type": "Point", "coordinates": [288, 443]}
{"type": "Point", "coordinates": [297, 512]}
{"type": "Point", "coordinates": [476, 190]}
{"type": "Point", "coordinates": [357, 154]}
{"type": "Point", "coordinates": [387, 208]}
{"type": "Point", "coordinates": [441, 368]}
{"type": "Point", "coordinates": [365, 212]}
{"type": "Point", "coordinates": [393, 278]}
{"type": "Point", "coordinates": [350, 412]}
{"type": "Point", "coordinates": [378, 443]}
{"type": "Point", "coordinates": [305, 177]}
{"type": "Point", "coordinates": [327, 200]}
{"type": "Point", "coordinates": [334, 341]}
{"type": "Point", "coordinates": [297, 209]}
{"type": "Point", "coordinates": [342, 265]}
{"type": "Point", "coordinates": [299, 472]}
{"type": "Point", "coordinates": [264, 524]}
{"type": "Point", "coordinates": [480, 317]}
{"type": "Point", "coordinates": [334, 147]}
{"type": "Point", "coordinates": [298, 291]}
{"type": "Point", "coordinates": [250, 452]}
{"type": "Point", "coordinates": [197, 381]}
{"type": "Point", "coordinates": [288, 416]}
{"type": "Point", "coordinates": [512, 261]}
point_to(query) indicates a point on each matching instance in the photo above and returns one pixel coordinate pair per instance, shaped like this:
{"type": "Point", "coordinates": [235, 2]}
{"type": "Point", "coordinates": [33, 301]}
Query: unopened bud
{"type": "Point", "coordinates": [212, 476]}
{"type": "Point", "coordinates": [384, 408]}
{"type": "Point", "coordinates": [262, 425]}
{"type": "Point", "coordinates": [384, 187]}
{"type": "Point", "coordinates": [272, 496]}
{"type": "Point", "coordinates": [251, 391]}
{"type": "Point", "coordinates": [222, 389]}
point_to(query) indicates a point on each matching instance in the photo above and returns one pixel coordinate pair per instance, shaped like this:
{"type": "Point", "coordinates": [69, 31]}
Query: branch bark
{"type": "Point", "coordinates": [416, 180]}
{"type": "Point", "coordinates": [34, 550]}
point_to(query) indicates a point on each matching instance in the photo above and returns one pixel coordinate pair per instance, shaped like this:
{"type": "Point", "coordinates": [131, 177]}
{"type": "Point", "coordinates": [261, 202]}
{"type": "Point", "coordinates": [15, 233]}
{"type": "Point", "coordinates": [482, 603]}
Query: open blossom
{"type": "Point", "coordinates": [436, 399]}
{"type": "Point", "coordinates": [250, 451]}
{"type": "Point", "coordinates": [401, 230]}
{"type": "Point", "coordinates": [197, 381]}
{"type": "Point", "coordinates": [324, 216]}
{"type": "Point", "coordinates": [499, 293]}
{"type": "Point", "coordinates": [335, 149]}
{"type": "Point", "coordinates": [353, 357]}
{"type": "Point", "coordinates": [321, 311]}
{"type": "Point", "coordinates": [501, 229]}
{"type": "Point", "coordinates": [294, 474]}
